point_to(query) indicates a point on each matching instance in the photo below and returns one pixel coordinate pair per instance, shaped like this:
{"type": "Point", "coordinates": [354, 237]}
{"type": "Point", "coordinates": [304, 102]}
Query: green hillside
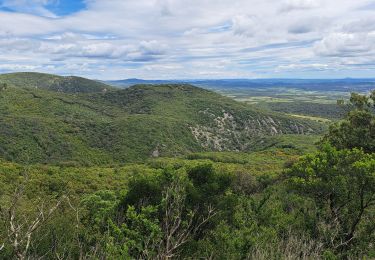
{"type": "Point", "coordinates": [79, 178]}
{"type": "Point", "coordinates": [69, 84]}
{"type": "Point", "coordinates": [40, 126]}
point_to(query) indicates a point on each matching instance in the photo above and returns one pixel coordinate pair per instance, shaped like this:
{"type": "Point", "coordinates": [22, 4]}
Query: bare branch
{"type": "Point", "coordinates": [20, 227]}
{"type": "Point", "coordinates": [177, 228]}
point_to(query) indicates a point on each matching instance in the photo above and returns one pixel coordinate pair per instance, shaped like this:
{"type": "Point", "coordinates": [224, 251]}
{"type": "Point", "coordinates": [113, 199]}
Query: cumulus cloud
{"type": "Point", "coordinates": [346, 44]}
{"type": "Point", "coordinates": [366, 24]}
{"type": "Point", "coordinates": [75, 45]}
{"type": "Point", "coordinates": [173, 38]}
{"type": "Point", "coordinates": [245, 25]}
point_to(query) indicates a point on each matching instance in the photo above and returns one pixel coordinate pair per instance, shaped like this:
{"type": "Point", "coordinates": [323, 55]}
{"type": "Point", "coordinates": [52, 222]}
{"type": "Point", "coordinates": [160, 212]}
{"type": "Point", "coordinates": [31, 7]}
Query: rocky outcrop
{"type": "Point", "coordinates": [227, 131]}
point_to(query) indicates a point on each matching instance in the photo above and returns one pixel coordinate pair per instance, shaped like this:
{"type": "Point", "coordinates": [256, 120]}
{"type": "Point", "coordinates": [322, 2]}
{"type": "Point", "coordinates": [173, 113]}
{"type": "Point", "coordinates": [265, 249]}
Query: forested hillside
{"type": "Point", "coordinates": [49, 125]}
{"type": "Point", "coordinates": [53, 82]}
{"type": "Point", "coordinates": [179, 172]}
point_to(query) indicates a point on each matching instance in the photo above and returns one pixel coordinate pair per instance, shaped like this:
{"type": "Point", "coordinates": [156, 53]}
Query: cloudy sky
{"type": "Point", "coordinates": [180, 39]}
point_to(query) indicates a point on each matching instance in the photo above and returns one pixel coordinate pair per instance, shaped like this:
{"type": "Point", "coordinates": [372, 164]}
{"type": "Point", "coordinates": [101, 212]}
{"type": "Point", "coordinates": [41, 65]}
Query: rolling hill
{"type": "Point", "coordinates": [42, 121]}
{"type": "Point", "coordinates": [69, 84]}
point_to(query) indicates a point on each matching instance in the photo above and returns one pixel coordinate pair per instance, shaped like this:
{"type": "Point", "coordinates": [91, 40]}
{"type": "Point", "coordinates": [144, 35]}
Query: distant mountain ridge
{"type": "Point", "coordinates": [347, 84]}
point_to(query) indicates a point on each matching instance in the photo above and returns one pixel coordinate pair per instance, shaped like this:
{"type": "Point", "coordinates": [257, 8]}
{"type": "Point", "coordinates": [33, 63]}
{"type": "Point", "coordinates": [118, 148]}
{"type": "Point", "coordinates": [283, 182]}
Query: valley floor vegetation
{"type": "Point", "coordinates": [271, 204]}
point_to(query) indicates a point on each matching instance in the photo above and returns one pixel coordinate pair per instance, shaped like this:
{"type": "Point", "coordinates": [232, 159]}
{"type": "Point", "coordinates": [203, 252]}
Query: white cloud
{"type": "Point", "coordinates": [313, 66]}
{"type": "Point", "coordinates": [17, 67]}
{"type": "Point", "coordinates": [245, 25]}
{"type": "Point", "coordinates": [291, 5]}
{"type": "Point", "coordinates": [173, 38]}
{"type": "Point", "coordinates": [152, 47]}
{"type": "Point", "coordinates": [364, 24]}
{"type": "Point", "coordinates": [18, 44]}
{"type": "Point", "coordinates": [346, 44]}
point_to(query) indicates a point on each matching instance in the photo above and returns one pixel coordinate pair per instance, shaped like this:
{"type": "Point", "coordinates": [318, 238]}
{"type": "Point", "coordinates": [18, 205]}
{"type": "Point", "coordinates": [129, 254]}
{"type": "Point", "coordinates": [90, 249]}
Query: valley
{"type": "Point", "coordinates": [119, 167]}
{"type": "Point", "coordinates": [53, 125]}
{"type": "Point", "coordinates": [192, 130]}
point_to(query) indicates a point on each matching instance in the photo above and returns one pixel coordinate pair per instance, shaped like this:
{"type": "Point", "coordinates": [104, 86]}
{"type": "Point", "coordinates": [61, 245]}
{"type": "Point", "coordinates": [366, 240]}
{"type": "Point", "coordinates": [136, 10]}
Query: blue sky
{"type": "Point", "coordinates": [179, 39]}
{"type": "Point", "coordinates": [52, 8]}
{"type": "Point", "coordinates": [66, 7]}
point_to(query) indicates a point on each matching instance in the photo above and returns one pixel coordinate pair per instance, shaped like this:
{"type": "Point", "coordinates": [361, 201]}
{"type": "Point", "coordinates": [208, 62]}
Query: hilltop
{"type": "Point", "coordinates": [70, 84]}
{"type": "Point", "coordinates": [40, 125]}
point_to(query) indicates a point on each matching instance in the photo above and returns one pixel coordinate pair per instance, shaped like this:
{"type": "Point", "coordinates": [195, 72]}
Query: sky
{"type": "Point", "coordinates": [189, 39]}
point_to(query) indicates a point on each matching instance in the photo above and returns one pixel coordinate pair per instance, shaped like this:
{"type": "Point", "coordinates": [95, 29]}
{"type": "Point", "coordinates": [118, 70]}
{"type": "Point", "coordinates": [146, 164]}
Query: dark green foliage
{"type": "Point", "coordinates": [361, 102]}
{"type": "Point", "coordinates": [357, 130]}
{"type": "Point", "coordinates": [129, 206]}
{"type": "Point", "coordinates": [121, 126]}
{"type": "Point", "coordinates": [52, 82]}
{"type": "Point", "coordinates": [208, 185]}
{"type": "Point", "coordinates": [342, 184]}
{"type": "Point", "coordinates": [258, 214]}
{"type": "Point", "coordinates": [319, 110]}
{"type": "Point", "coordinates": [210, 204]}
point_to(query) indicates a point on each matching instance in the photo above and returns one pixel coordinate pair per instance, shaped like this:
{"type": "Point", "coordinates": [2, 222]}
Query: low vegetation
{"type": "Point", "coordinates": [294, 197]}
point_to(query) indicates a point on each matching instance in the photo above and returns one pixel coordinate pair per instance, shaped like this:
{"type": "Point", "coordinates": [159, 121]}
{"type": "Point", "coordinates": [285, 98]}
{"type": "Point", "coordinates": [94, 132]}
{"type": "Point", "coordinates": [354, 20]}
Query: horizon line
{"type": "Point", "coordinates": [191, 79]}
